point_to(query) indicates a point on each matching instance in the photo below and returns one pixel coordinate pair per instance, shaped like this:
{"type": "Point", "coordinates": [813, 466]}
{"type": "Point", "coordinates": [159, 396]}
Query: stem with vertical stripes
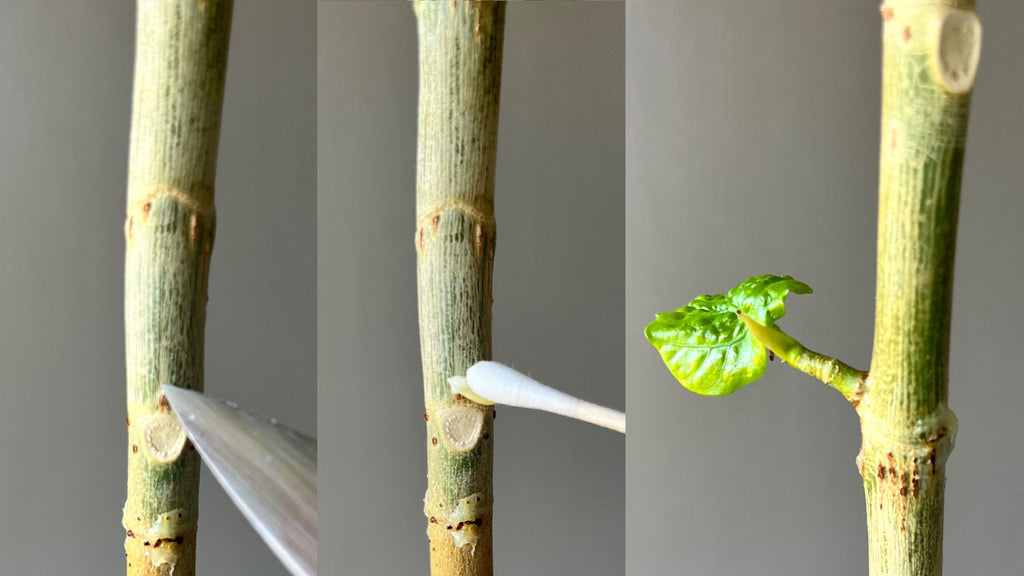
{"type": "Point", "coordinates": [180, 59]}
{"type": "Point", "coordinates": [930, 57]}
{"type": "Point", "coordinates": [460, 49]}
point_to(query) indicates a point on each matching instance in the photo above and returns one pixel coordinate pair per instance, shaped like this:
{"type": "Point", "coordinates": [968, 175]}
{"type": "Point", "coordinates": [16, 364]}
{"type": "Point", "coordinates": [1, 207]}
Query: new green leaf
{"type": "Point", "coordinates": [706, 345]}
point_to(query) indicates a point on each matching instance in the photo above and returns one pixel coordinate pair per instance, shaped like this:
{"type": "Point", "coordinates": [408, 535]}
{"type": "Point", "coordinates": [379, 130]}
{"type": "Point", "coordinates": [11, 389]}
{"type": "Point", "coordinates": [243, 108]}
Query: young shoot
{"type": "Point", "coordinates": [717, 344]}
{"type": "Point", "coordinates": [493, 383]}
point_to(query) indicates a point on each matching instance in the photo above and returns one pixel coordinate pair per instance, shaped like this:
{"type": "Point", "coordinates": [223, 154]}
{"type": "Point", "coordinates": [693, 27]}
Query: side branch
{"type": "Point", "coordinates": [847, 380]}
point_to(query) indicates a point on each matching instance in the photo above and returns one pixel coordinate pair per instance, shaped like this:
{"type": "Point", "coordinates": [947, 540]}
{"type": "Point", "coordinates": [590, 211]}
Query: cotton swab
{"type": "Point", "coordinates": [493, 383]}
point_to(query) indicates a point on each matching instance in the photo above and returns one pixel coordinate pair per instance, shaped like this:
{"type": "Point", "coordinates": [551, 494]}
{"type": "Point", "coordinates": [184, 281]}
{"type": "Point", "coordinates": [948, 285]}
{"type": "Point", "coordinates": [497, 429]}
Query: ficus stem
{"type": "Point", "coordinates": [460, 50]}
{"type": "Point", "coordinates": [930, 57]}
{"type": "Point", "coordinates": [847, 380]}
{"type": "Point", "coordinates": [180, 60]}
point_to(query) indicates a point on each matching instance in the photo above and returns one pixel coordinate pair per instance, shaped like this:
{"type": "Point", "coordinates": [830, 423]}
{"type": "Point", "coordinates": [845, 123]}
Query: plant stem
{"type": "Point", "coordinates": [847, 380]}
{"type": "Point", "coordinates": [930, 58]}
{"type": "Point", "coordinates": [460, 77]}
{"type": "Point", "coordinates": [180, 59]}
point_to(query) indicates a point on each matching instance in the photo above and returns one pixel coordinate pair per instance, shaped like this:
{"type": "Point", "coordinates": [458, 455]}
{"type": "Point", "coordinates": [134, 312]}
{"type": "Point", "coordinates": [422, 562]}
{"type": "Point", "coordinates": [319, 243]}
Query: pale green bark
{"type": "Point", "coordinates": [460, 77]}
{"type": "Point", "coordinates": [180, 58]}
{"type": "Point", "coordinates": [930, 58]}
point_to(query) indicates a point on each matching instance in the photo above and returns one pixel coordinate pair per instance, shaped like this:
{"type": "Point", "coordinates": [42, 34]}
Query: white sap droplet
{"type": "Point", "coordinates": [163, 555]}
{"type": "Point", "coordinates": [466, 537]}
{"type": "Point", "coordinates": [465, 521]}
{"type": "Point", "coordinates": [169, 525]}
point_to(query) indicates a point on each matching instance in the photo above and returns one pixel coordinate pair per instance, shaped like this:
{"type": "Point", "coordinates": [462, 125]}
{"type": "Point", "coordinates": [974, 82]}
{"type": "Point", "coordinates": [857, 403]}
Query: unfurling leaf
{"type": "Point", "coordinates": [706, 345]}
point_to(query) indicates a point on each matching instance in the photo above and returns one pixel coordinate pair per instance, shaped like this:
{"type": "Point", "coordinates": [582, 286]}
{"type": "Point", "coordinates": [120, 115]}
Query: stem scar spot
{"type": "Point", "coordinates": [489, 270]}
{"type": "Point", "coordinates": [162, 403]}
{"type": "Point", "coordinates": [477, 17]}
{"type": "Point", "coordinates": [193, 228]}
{"type": "Point", "coordinates": [420, 241]}
{"type": "Point", "coordinates": [207, 242]}
{"type": "Point", "coordinates": [896, 139]}
{"type": "Point", "coordinates": [914, 478]}
{"type": "Point", "coordinates": [478, 237]}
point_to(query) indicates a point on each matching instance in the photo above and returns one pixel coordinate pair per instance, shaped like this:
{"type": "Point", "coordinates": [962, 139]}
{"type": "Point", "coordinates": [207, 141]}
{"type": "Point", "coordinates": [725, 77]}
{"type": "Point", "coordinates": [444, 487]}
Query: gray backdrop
{"type": "Point", "coordinates": [65, 105]}
{"type": "Point", "coordinates": [752, 137]}
{"type": "Point", "coordinates": [558, 289]}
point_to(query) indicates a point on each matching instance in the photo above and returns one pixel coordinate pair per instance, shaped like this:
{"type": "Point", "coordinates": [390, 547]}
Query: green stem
{"type": "Point", "coordinates": [180, 60]}
{"type": "Point", "coordinates": [930, 56]}
{"type": "Point", "coordinates": [460, 83]}
{"type": "Point", "coordinates": [847, 380]}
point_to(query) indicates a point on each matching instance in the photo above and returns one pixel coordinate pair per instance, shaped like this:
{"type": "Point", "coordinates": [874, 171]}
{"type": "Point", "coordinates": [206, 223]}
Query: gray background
{"type": "Point", "coordinates": [752, 138]}
{"type": "Point", "coordinates": [558, 289]}
{"type": "Point", "coordinates": [752, 148]}
{"type": "Point", "coordinates": [65, 105]}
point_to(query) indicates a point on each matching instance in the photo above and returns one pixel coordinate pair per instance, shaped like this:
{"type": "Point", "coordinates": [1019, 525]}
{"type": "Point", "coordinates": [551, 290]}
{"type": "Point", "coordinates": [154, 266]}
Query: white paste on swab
{"type": "Point", "coordinates": [493, 383]}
